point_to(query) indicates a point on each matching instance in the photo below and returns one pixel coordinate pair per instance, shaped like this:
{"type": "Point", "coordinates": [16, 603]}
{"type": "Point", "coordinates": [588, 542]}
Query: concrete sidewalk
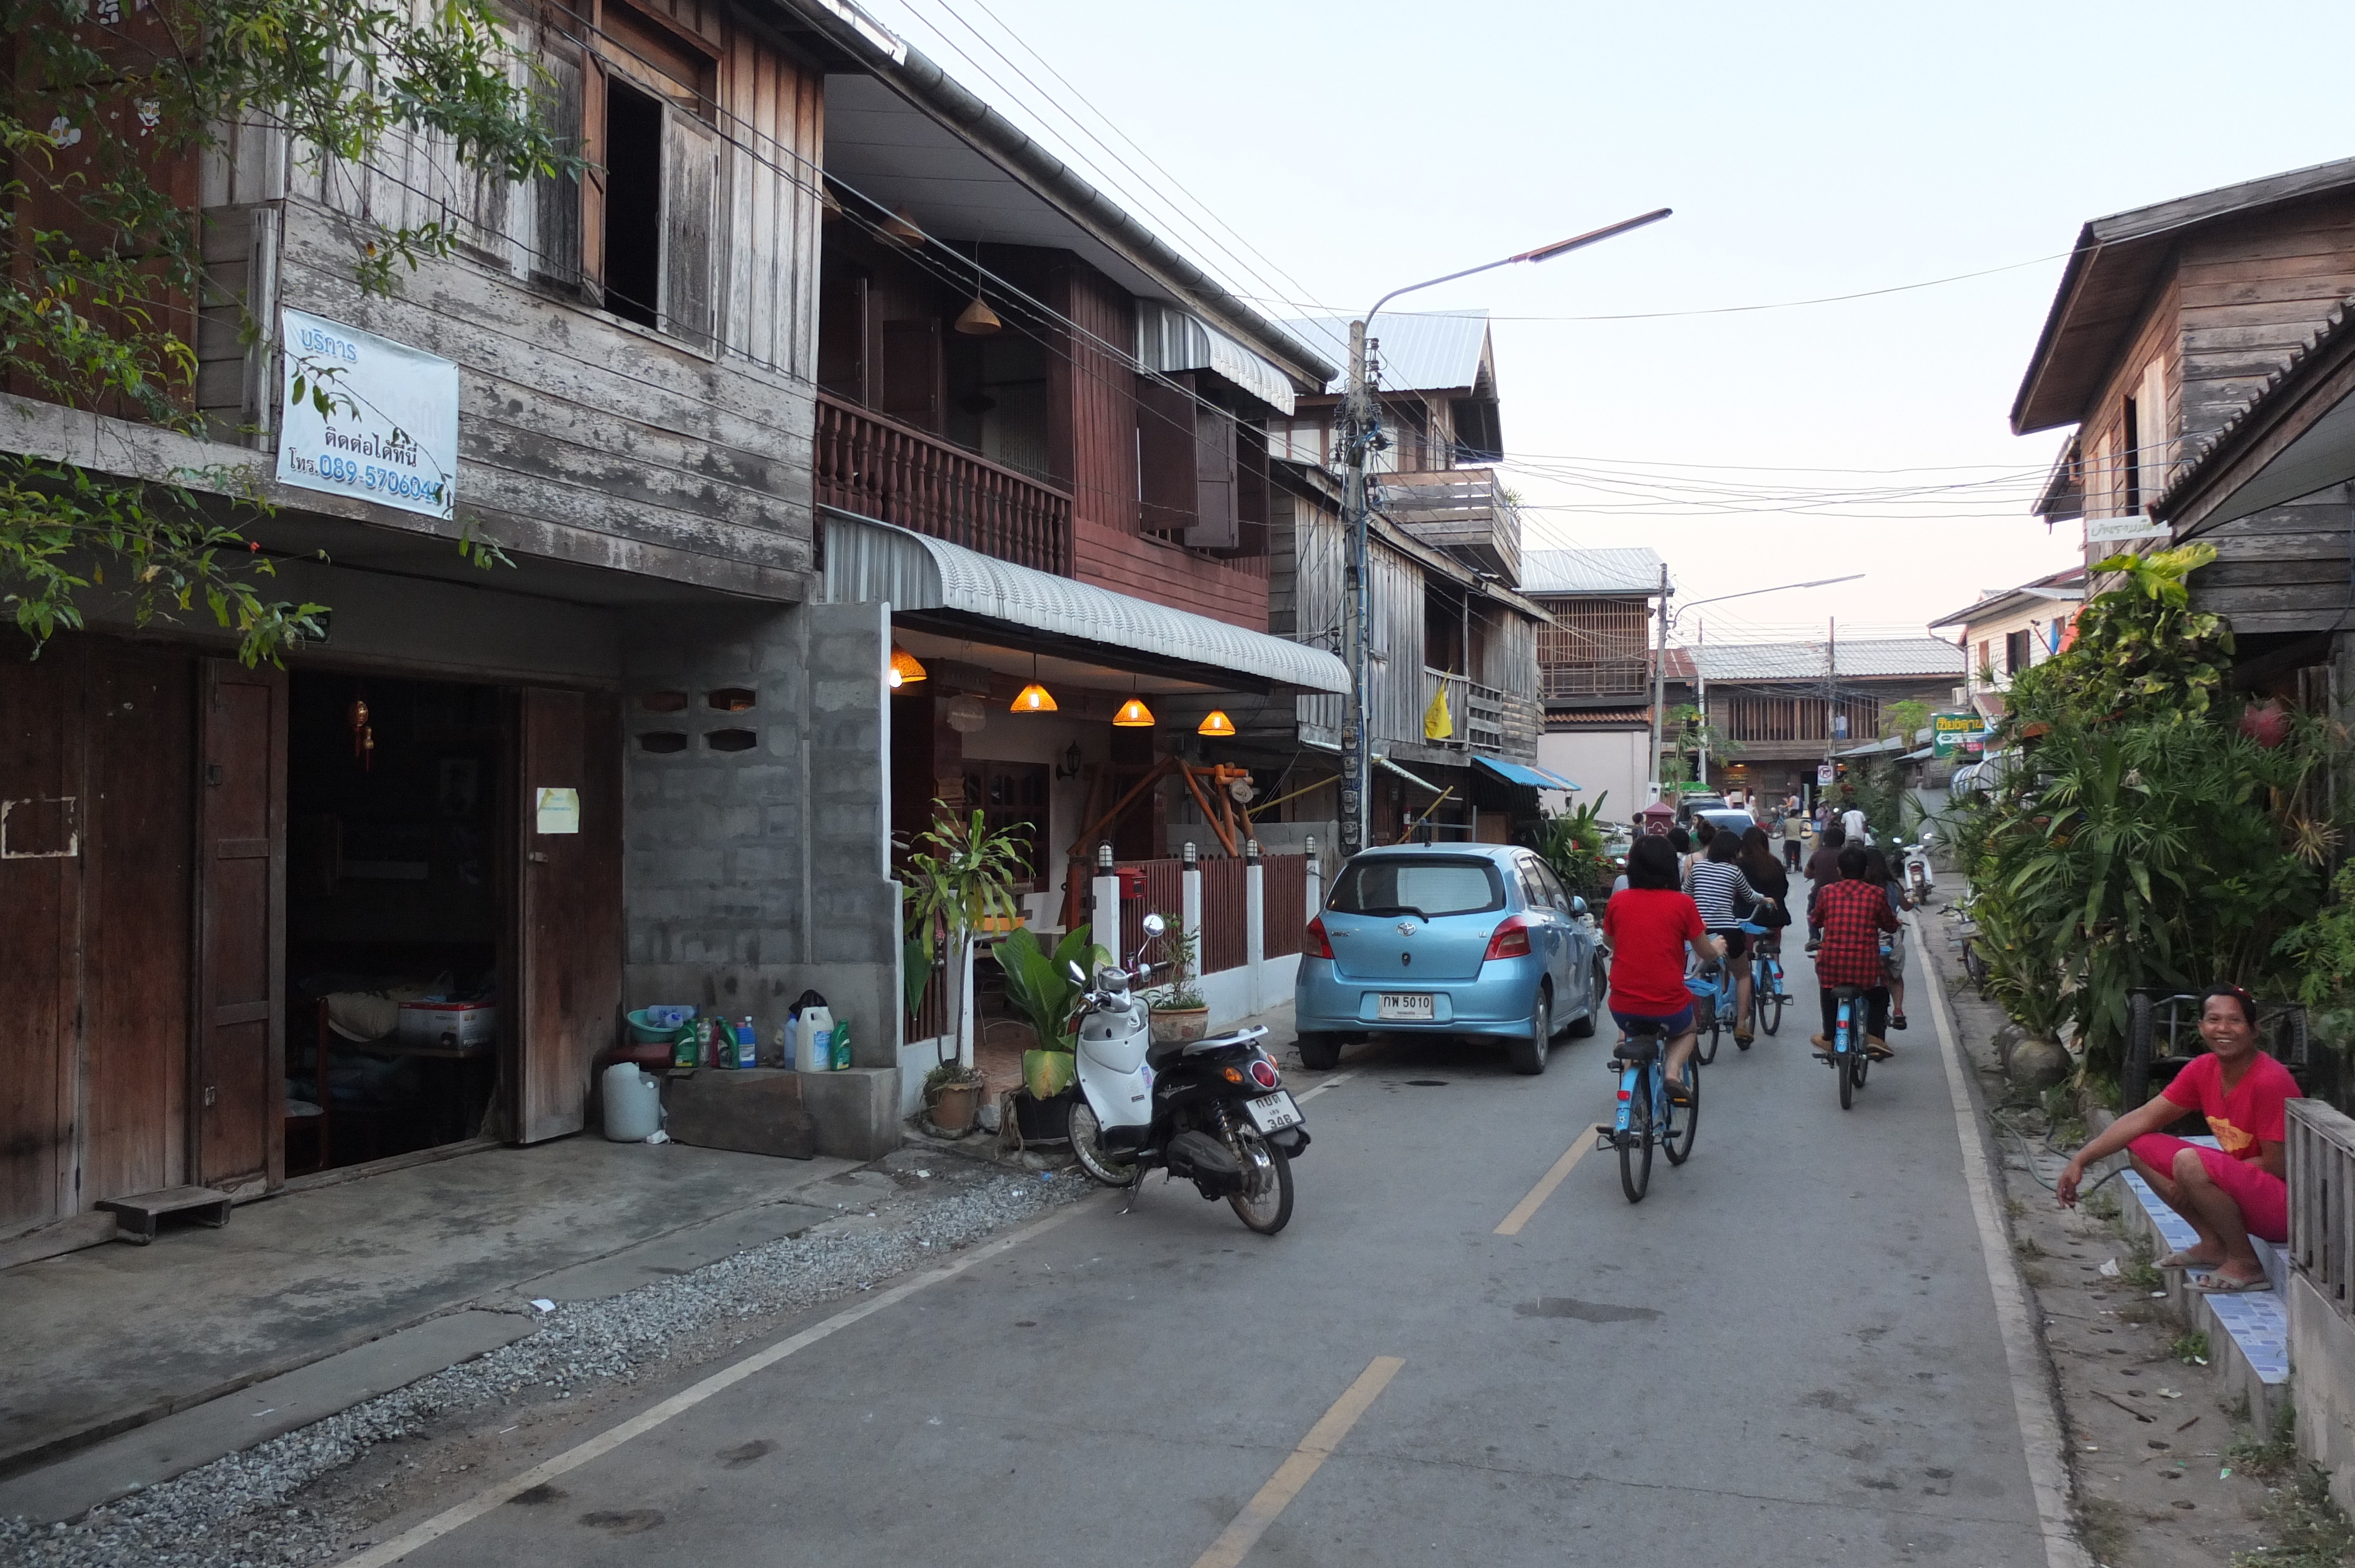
{"type": "Point", "coordinates": [112, 1338]}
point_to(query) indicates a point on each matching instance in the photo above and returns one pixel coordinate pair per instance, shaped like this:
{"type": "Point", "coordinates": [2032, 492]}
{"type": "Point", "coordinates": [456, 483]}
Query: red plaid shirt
{"type": "Point", "coordinates": [1852, 915]}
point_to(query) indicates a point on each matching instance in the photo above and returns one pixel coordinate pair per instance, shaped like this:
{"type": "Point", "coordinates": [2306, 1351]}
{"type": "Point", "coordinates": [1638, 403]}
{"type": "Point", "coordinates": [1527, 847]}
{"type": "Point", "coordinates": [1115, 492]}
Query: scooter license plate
{"type": "Point", "coordinates": [1272, 1113]}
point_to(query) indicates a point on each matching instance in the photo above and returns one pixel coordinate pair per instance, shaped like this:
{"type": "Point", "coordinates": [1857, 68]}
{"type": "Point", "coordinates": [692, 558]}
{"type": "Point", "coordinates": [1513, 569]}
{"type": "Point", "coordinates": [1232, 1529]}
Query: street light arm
{"type": "Point", "coordinates": [1543, 253]}
{"type": "Point", "coordinates": [1745, 593]}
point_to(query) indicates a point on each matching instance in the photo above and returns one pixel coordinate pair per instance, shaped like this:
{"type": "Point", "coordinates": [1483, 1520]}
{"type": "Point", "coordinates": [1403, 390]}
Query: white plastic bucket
{"type": "Point", "coordinates": [632, 1103]}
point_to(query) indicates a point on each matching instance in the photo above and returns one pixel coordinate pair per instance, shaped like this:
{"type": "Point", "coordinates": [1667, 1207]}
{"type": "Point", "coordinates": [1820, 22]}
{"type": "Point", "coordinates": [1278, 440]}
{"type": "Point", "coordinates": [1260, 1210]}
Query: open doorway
{"type": "Point", "coordinates": [396, 927]}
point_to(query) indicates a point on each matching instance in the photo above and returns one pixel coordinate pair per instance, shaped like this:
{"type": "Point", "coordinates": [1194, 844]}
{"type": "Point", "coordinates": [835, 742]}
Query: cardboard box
{"type": "Point", "coordinates": [425, 1022]}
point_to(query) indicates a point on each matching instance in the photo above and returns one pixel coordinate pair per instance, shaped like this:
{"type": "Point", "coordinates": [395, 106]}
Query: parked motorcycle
{"type": "Point", "coordinates": [1214, 1111]}
{"type": "Point", "coordinates": [1920, 880]}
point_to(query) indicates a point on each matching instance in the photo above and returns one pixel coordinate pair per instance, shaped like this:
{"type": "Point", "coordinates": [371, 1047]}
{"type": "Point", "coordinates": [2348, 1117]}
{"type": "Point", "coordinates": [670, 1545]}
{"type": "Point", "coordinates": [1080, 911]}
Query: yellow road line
{"type": "Point", "coordinates": [1234, 1543]}
{"type": "Point", "coordinates": [1544, 1189]}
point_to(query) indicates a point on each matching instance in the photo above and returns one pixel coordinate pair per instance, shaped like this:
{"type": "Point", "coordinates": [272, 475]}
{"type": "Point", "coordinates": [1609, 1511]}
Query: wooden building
{"type": "Point", "coordinates": [1595, 667]}
{"type": "Point", "coordinates": [2173, 324]}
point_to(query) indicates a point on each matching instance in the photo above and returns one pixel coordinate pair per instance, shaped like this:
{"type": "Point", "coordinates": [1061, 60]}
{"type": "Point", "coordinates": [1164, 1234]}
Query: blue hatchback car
{"type": "Point", "coordinates": [1448, 939]}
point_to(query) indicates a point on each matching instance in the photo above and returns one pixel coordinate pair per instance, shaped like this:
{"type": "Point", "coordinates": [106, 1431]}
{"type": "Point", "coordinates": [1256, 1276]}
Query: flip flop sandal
{"type": "Point", "coordinates": [2222, 1285]}
{"type": "Point", "coordinates": [2183, 1260]}
{"type": "Point", "coordinates": [1679, 1092]}
{"type": "Point", "coordinates": [1877, 1050]}
{"type": "Point", "coordinates": [1896, 1020]}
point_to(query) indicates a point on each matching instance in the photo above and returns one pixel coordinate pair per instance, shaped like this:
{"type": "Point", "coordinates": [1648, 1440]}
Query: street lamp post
{"type": "Point", "coordinates": [1660, 651]}
{"type": "Point", "coordinates": [1357, 432]}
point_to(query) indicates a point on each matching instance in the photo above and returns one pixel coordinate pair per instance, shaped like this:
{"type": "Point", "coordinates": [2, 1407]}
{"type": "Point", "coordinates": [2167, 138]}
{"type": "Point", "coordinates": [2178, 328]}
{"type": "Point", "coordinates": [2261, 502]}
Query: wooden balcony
{"type": "Point", "coordinates": [1477, 711]}
{"type": "Point", "coordinates": [1466, 512]}
{"type": "Point", "coordinates": [1597, 678]}
{"type": "Point", "coordinates": [879, 468]}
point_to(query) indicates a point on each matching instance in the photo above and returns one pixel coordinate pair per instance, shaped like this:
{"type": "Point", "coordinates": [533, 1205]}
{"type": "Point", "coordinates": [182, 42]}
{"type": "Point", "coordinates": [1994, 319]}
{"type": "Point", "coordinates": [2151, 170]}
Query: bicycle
{"type": "Point", "coordinates": [1848, 1058]}
{"type": "Point", "coordinates": [1767, 995]}
{"type": "Point", "coordinates": [1646, 1115]}
{"type": "Point", "coordinates": [1713, 1008]}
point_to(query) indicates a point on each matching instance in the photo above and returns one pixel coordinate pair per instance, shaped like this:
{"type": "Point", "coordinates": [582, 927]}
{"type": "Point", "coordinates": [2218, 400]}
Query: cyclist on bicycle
{"type": "Point", "coordinates": [1877, 871]}
{"type": "Point", "coordinates": [1727, 899]}
{"type": "Point", "coordinates": [1769, 876]}
{"type": "Point", "coordinates": [1650, 928]}
{"type": "Point", "coordinates": [1852, 913]}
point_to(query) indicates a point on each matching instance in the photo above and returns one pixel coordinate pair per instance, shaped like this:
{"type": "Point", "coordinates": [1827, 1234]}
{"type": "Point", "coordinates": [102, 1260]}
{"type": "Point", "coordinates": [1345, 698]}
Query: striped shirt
{"type": "Point", "coordinates": [1714, 883]}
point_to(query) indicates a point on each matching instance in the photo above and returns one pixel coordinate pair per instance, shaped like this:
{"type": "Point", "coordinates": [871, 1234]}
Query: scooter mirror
{"type": "Point", "coordinates": [1154, 925]}
{"type": "Point", "coordinates": [1078, 973]}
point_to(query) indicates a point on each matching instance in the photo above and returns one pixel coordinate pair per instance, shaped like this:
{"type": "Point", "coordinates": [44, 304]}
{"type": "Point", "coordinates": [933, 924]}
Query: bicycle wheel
{"type": "Point", "coordinates": [1678, 1138]}
{"type": "Point", "coordinates": [1636, 1143]}
{"type": "Point", "coordinates": [1706, 1047]}
{"type": "Point", "coordinates": [1863, 1066]}
{"type": "Point", "coordinates": [1769, 1004]}
{"type": "Point", "coordinates": [1843, 1062]}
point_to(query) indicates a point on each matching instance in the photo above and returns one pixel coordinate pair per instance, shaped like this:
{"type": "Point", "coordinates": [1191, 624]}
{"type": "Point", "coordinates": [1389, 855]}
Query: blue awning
{"type": "Point", "coordinates": [1521, 773]}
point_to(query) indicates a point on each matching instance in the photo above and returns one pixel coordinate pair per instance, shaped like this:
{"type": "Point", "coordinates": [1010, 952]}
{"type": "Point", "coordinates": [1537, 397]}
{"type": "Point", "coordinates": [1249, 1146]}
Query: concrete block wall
{"type": "Point", "coordinates": [752, 876]}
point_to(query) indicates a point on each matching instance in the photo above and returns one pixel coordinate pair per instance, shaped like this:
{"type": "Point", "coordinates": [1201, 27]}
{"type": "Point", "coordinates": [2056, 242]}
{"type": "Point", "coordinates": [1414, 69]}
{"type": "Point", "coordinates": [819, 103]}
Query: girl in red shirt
{"type": "Point", "coordinates": [1650, 927]}
{"type": "Point", "coordinates": [2231, 1192]}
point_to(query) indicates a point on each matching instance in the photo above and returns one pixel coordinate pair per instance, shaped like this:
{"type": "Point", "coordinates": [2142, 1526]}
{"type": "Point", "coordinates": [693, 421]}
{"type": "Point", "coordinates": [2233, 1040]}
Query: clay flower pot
{"type": "Point", "coordinates": [1180, 1026]}
{"type": "Point", "coordinates": [954, 1107]}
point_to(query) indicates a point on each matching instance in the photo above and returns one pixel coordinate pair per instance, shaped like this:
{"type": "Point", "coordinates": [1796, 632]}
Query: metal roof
{"type": "Point", "coordinates": [1629, 569]}
{"type": "Point", "coordinates": [2067, 585]}
{"type": "Point", "coordinates": [866, 561]}
{"type": "Point", "coordinates": [1418, 353]}
{"type": "Point", "coordinates": [1805, 661]}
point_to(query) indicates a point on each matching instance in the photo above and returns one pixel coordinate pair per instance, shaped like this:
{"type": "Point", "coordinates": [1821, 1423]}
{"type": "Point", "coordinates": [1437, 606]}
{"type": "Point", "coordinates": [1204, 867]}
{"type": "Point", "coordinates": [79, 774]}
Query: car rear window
{"type": "Point", "coordinates": [1383, 884]}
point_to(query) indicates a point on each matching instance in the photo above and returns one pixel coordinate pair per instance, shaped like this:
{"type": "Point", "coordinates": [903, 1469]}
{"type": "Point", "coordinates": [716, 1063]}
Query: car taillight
{"type": "Point", "coordinates": [1318, 945]}
{"type": "Point", "coordinates": [1263, 1072]}
{"type": "Point", "coordinates": [1509, 941]}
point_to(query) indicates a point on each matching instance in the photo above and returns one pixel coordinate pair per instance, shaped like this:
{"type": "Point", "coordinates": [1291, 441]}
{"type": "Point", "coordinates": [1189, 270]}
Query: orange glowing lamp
{"type": "Point", "coordinates": [1217, 724]}
{"type": "Point", "coordinates": [1032, 699]}
{"type": "Point", "coordinates": [1133, 715]}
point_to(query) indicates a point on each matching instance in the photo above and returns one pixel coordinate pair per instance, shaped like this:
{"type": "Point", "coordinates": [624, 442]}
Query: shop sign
{"type": "Point", "coordinates": [2116, 530]}
{"type": "Point", "coordinates": [1950, 732]}
{"type": "Point", "coordinates": [366, 417]}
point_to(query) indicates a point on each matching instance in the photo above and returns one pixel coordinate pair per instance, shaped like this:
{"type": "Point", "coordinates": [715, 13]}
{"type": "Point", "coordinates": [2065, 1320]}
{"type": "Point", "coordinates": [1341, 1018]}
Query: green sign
{"type": "Point", "coordinates": [1950, 732]}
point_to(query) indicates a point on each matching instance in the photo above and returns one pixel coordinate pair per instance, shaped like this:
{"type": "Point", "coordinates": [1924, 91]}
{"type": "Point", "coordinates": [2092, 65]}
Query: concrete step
{"type": "Point", "coordinates": [2248, 1335]}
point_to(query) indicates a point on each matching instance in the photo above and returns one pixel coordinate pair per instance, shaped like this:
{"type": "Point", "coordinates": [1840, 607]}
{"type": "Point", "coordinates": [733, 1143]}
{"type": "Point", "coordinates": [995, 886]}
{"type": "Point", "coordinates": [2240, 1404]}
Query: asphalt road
{"type": "Point", "coordinates": [1786, 1355]}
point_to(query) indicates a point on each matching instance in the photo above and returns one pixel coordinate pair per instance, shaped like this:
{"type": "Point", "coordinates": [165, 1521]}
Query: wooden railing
{"type": "Point", "coordinates": [1595, 678]}
{"type": "Point", "coordinates": [1463, 511]}
{"type": "Point", "coordinates": [2322, 1201]}
{"type": "Point", "coordinates": [879, 468]}
{"type": "Point", "coordinates": [1475, 712]}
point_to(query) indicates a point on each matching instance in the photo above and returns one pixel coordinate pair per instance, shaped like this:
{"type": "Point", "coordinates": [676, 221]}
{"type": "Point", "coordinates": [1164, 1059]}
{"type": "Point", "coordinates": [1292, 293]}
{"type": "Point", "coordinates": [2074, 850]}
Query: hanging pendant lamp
{"type": "Point", "coordinates": [977, 319]}
{"type": "Point", "coordinates": [1217, 724]}
{"type": "Point", "coordinates": [1033, 698]}
{"type": "Point", "coordinates": [1133, 715]}
{"type": "Point", "coordinates": [905, 670]}
{"type": "Point", "coordinates": [900, 228]}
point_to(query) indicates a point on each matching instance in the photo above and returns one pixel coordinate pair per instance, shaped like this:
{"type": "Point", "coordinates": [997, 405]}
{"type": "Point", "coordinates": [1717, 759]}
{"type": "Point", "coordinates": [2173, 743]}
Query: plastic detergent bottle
{"type": "Point", "coordinates": [841, 1054]}
{"type": "Point", "coordinates": [814, 1038]}
{"type": "Point", "coordinates": [748, 1044]}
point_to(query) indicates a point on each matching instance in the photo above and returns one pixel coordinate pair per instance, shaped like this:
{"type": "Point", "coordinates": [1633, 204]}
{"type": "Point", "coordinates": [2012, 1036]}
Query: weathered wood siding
{"type": "Point", "coordinates": [2281, 570]}
{"type": "Point", "coordinates": [2249, 295]}
{"type": "Point", "coordinates": [582, 436]}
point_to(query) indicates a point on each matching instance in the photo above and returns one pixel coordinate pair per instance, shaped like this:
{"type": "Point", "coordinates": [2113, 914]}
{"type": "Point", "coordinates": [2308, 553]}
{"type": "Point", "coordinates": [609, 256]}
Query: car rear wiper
{"type": "Point", "coordinates": [1395, 909]}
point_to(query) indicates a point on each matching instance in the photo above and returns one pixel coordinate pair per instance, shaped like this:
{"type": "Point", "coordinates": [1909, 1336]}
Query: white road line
{"type": "Point", "coordinates": [1335, 1082]}
{"type": "Point", "coordinates": [605, 1442]}
{"type": "Point", "coordinates": [2032, 1386]}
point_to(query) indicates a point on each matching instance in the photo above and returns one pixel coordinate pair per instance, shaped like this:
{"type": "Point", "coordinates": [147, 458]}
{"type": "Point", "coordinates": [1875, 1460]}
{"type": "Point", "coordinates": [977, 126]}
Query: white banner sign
{"type": "Point", "coordinates": [1825, 773]}
{"type": "Point", "coordinates": [2135, 526]}
{"type": "Point", "coordinates": [388, 432]}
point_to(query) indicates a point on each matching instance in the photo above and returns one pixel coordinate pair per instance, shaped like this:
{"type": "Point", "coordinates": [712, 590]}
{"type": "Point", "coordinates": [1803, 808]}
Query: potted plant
{"type": "Point", "coordinates": [959, 878]}
{"type": "Point", "coordinates": [1180, 1012]}
{"type": "Point", "coordinates": [1040, 986]}
{"type": "Point", "coordinates": [953, 1098]}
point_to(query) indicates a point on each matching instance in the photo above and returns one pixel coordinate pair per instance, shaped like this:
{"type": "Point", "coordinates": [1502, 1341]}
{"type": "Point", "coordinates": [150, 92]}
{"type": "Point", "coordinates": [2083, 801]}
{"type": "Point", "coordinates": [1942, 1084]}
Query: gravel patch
{"type": "Point", "coordinates": [236, 1513]}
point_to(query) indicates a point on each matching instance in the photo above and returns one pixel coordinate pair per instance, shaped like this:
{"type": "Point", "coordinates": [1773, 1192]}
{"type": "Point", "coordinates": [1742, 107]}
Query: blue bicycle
{"type": "Point", "coordinates": [1646, 1116]}
{"type": "Point", "coordinates": [1768, 996]}
{"type": "Point", "coordinates": [1848, 1058]}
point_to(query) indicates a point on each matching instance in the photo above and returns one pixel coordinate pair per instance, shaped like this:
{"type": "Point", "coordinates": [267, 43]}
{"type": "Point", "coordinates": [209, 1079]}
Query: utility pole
{"type": "Point", "coordinates": [1700, 706]}
{"type": "Point", "coordinates": [1356, 432]}
{"type": "Point", "coordinates": [1659, 683]}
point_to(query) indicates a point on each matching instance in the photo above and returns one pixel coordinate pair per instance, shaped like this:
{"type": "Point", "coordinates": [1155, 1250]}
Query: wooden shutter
{"type": "Point", "coordinates": [40, 919]}
{"type": "Point", "coordinates": [910, 378]}
{"type": "Point", "coordinates": [556, 247]}
{"type": "Point", "coordinates": [690, 224]}
{"type": "Point", "coordinates": [1165, 455]}
{"type": "Point", "coordinates": [567, 990]}
{"type": "Point", "coordinates": [241, 923]}
{"type": "Point", "coordinates": [1214, 527]}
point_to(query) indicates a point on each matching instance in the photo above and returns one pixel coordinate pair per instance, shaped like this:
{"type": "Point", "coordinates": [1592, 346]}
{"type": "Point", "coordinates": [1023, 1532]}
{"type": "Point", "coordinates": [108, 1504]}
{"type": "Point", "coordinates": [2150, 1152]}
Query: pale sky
{"type": "Point", "coordinates": [1808, 151]}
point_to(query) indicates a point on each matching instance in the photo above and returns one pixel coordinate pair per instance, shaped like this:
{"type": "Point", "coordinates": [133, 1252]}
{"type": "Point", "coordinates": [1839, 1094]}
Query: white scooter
{"type": "Point", "coordinates": [1213, 1110]}
{"type": "Point", "coordinates": [1919, 879]}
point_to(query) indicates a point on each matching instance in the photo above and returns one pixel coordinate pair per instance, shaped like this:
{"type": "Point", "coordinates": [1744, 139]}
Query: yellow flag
{"type": "Point", "coordinates": [1436, 725]}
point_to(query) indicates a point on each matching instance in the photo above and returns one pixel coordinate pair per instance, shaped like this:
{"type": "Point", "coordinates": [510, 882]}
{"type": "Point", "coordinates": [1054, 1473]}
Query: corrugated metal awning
{"type": "Point", "coordinates": [866, 562]}
{"type": "Point", "coordinates": [1169, 339]}
{"type": "Point", "coordinates": [1521, 773]}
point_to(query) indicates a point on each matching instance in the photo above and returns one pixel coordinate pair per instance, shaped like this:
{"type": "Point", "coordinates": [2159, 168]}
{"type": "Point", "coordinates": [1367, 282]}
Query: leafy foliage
{"type": "Point", "coordinates": [957, 876]}
{"type": "Point", "coordinates": [1184, 991]}
{"type": "Point", "coordinates": [1039, 984]}
{"type": "Point", "coordinates": [1573, 842]}
{"type": "Point", "coordinates": [105, 107]}
{"type": "Point", "coordinates": [2144, 841]}
{"type": "Point", "coordinates": [1687, 734]}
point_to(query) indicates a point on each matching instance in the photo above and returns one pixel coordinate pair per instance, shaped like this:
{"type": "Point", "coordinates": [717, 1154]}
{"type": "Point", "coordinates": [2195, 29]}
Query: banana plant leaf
{"type": "Point", "coordinates": [1039, 984]}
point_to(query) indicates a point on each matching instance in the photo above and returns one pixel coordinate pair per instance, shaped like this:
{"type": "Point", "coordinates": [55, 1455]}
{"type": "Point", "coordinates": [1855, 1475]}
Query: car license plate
{"type": "Point", "coordinates": [1413, 1007]}
{"type": "Point", "coordinates": [1271, 1113]}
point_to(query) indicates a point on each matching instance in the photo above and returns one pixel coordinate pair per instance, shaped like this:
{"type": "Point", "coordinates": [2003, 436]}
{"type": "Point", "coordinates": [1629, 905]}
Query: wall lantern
{"type": "Point", "coordinates": [905, 670]}
{"type": "Point", "coordinates": [1072, 762]}
{"type": "Point", "coordinates": [1133, 715]}
{"type": "Point", "coordinates": [1217, 725]}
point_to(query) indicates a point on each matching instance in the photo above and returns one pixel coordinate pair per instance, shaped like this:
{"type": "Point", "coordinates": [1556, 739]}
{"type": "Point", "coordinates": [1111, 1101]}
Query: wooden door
{"type": "Point", "coordinates": [567, 990]}
{"type": "Point", "coordinates": [40, 921]}
{"type": "Point", "coordinates": [238, 1087]}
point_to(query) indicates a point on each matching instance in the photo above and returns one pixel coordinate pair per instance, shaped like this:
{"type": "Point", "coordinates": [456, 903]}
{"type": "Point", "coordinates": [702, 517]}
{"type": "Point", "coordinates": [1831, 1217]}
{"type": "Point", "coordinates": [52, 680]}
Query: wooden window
{"type": "Point", "coordinates": [2017, 652]}
{"type": "Point", "coordinates": [1166, 488]}
{"type": "Point", "coordinates": [2130, 459]}
{"type": "Point", "coordinates": [2151, 421]}
{"type": "Point", "coordinates": [1012, 796]}
{"type": "Point", "coordinates": [1984, 662]}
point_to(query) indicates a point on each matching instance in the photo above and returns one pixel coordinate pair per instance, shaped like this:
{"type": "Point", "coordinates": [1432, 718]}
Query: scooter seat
{"type": "Point", "coordinates": [1229, 1040]}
